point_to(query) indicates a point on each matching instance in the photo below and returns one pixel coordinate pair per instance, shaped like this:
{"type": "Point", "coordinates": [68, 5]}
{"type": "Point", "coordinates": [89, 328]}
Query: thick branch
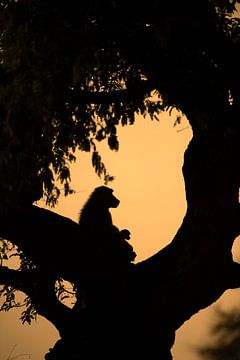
{"type": "Point", "coordinates": [20, 280]}
{"type": "Point", "coordinates": [54, 243]}
{"type": "Point", "coordinates": [197, 267]}
{"type": "Point", "coordinates": [234, 281]}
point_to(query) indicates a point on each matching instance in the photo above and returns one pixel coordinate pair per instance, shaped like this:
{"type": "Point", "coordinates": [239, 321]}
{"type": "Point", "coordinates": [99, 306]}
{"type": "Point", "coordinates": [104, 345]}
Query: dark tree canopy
{"type": "Point", "coordinates": [70, 73]}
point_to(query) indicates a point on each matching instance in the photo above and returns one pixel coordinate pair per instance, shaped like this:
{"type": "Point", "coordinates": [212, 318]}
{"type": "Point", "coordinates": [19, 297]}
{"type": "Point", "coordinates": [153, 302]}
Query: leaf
{"type": "Point", "coordinates": [113, 142]}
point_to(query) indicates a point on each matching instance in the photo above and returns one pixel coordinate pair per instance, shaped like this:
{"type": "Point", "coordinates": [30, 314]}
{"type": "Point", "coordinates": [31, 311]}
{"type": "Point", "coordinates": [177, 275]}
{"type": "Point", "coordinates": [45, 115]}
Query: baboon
{"type": "Point", "coordinates": [95, 215]}
{"type": "Point", "coordinates": [111, 253]}
{"type": "Point", "coordinates": [96, 224]}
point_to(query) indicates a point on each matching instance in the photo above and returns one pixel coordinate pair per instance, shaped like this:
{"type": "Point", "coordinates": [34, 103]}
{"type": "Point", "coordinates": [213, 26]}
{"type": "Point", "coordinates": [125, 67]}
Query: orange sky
{"type": "Point", "coordinates": [149, 183]}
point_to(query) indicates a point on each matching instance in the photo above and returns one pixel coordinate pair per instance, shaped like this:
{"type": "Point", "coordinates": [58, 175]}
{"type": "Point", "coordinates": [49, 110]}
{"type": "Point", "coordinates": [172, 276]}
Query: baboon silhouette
{"type": "Point", "coordinates": [111, 253]}
{"type": "Point", "coordinates": [96, 224]}
{"type": "Point", "coordinates": [95, 212]}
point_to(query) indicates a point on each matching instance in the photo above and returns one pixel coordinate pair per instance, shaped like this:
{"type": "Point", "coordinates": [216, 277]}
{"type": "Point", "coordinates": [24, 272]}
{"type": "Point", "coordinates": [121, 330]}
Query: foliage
{"type": "Point", "coordinates": [226, 334]}
{"type": "Point", "coordinates": [29, 313]}
{"type": "Point", "coordinates": [10, 299]}
{"type": "Point", "coordinates": [65, 292]}
{"type": "Point", "coordinates": [9, 296]}
{"type": "Point", "coordinates": [70, 73]}
{"type": "Point", "coordinates": [48, 59]}
{"type": "Point", "coordinates": [7, 251]}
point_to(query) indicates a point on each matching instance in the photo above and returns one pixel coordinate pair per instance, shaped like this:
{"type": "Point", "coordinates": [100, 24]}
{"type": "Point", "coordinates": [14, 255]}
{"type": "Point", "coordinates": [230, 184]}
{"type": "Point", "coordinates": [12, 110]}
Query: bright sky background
{"type": "Point", "coordinates": [149, 183]}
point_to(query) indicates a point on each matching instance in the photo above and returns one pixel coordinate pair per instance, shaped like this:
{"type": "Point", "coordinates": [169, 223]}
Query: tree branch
{"type": "Point", "coordinates": [234, 280]}
{"type": "Point", "coordinates": [41, 290]}
{"type": "Point", "coordinates": [197, 267]}
{"type": "Point", "coordinates": [20, 280]}
{"type": "Point", "coordinates": [110, 97]}
{"type": "Point", "coordinates": [43, 236]}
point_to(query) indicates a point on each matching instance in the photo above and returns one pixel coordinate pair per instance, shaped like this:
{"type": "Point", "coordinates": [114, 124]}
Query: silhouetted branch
{"type": "Point", "coordinates": [234, 281]}
{"type": "Point", "coordinates": [44, 236]}
{"type": "Point", "coordinates": [20, 280]}
{"type": "Point", "coordinates": [197, 267]}
{"type": "Point", "coordinates": [109, 97]}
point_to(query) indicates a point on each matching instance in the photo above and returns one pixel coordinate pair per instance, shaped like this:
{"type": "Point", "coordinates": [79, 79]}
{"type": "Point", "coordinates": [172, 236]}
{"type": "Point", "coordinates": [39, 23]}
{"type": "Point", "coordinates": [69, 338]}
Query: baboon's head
{"type": "Point", "coordinates": [104, 196]}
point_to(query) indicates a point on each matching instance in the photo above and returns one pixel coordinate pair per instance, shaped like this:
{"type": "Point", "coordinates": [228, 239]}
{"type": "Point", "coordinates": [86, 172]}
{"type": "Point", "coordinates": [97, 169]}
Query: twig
{"type": "Point", "coordinates": [16, 356]}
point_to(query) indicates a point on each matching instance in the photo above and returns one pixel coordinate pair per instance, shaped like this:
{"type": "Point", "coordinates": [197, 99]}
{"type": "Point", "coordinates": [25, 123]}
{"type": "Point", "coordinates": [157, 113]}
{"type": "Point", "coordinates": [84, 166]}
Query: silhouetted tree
{"type": "Point", "coordinates": [70, 72]}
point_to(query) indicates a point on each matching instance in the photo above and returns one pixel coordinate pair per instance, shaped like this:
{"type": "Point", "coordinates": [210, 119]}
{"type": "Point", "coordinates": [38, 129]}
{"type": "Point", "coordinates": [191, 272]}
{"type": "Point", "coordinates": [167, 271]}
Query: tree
{"type": "Point", "coordinates": [70, 73]}
{"type": "Point", "coordinates": [226, 335]}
